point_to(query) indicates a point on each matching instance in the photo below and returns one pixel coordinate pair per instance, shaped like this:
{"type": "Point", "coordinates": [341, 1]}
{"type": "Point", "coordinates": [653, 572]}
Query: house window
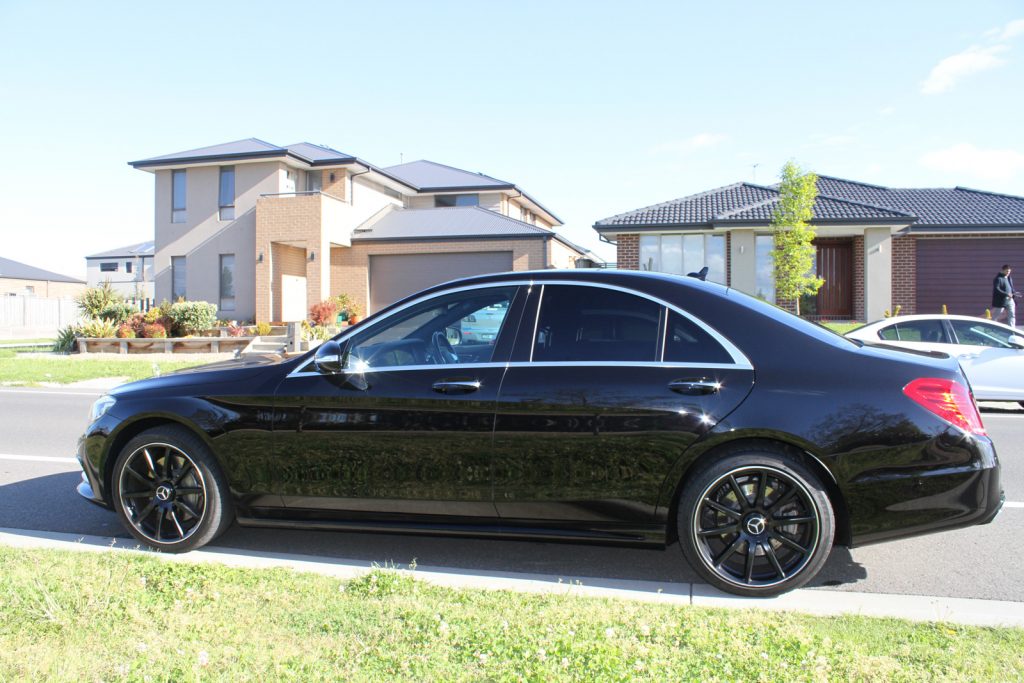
{"type": "Point", "coordinates": [683, 254]}
{"type": "Point", "coordinates": [443, 200]}
{"type": "Point", "coordinates": [227, 282]}
{"type": "Point", "coordinates": [177, 277]}
{"type": "Point", "coordinates": [108, 267]}
{"type": "Point", "coordinates": [227, 193]}
{"type": "Point", "coordinates": [127, 266]}
{"type": "Point", "coordinates": [178, 197]}
{"type": "Point", "coordinates": [314, 181]}
{"type": "Point", "coordinates": [764, 283]}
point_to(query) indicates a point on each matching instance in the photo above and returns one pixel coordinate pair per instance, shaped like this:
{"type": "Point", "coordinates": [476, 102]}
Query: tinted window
{"type": "Point", "coordinates": [688, 343]}
{"type": "Point", "coordinates": [927, 331]}
{"type": "Point", "coordinates": [593, 324]}
{"type": "Point", "coordinates": [464, 325]}
{"type": "Point", "coordinates": [981, 334]}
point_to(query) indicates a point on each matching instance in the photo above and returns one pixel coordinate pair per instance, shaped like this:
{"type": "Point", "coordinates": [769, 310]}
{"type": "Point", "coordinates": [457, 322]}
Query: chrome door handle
{"type": "Point", "coordinates": [456, 386]}
{"type": "Point", "coordinates": [967, 356]}
{"type": "Point", "coordinates": [695, 387]}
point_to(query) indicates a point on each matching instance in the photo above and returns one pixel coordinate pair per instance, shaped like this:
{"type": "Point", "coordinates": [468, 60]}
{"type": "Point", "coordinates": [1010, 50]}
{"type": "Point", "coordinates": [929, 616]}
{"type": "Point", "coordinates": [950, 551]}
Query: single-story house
{"type": "Point", "coordinates": [267, 231]}
{"type": "Point", "coordinates": [877, 247]}
{"type": "Point", "coordinates": [129, 270]}
{"type": "Point", "coordinates": [22, 279]}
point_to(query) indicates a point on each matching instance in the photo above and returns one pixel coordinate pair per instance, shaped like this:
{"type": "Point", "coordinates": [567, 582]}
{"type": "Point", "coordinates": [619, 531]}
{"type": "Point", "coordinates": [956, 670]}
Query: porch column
{"type": "Point", "coordinates": [877, 272]}
{"type": "Point", "coordinates": [743, 261]}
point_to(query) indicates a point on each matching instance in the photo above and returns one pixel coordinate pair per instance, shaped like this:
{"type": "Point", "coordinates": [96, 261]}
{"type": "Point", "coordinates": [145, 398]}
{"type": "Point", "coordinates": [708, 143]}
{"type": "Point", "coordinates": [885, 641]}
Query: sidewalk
{"type": "Point", "coordinates": [816, 601]}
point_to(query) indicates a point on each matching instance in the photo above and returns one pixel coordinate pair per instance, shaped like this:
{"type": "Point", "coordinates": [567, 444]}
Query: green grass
{"type": "Point", "coordinates": [841, 328]}
{"type": "Point", "coordinates": [41, 340]}
{"type": "Point", "coordinates": [15, 369]}
{"type": "Point", "coordinates": [105, 616]}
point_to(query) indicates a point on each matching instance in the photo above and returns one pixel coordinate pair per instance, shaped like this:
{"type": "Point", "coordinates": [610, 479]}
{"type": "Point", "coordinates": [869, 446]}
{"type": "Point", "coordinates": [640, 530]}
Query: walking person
{"type": "Point", "coordinates": [1002, 297]}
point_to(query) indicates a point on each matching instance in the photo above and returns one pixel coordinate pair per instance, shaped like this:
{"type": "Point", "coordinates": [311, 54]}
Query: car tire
{"type": "Point", "coordinates": [773, 539]}
{"type": "Point", "coordinates": [169, 491]}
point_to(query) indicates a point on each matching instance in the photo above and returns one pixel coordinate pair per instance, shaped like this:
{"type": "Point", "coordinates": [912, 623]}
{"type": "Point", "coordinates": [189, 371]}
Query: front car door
{"type": "Point", "coordinates": [925, 334]}
{"type": "Point", "coordinates": [991, 358]}
{"type": "Point", "coordinates": [605, 391]}
{"type": "Point", "coordinates": [408, 429]}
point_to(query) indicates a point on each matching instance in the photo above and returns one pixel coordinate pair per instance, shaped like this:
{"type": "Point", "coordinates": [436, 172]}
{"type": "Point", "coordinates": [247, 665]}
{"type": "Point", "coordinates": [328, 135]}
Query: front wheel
{"type": "Point", "coordinates": [756, 522]}
{"type": "Point", "coordinates": [169, 491]}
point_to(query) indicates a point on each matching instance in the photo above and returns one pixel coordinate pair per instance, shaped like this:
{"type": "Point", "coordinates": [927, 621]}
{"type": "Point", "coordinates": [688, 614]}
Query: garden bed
{"type": "Point", "coordinates": [167, 345]}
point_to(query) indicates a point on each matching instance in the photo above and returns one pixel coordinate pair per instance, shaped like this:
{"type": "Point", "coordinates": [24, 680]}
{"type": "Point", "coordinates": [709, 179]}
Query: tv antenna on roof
{"type": "Point", "coordinates": [753, 171]}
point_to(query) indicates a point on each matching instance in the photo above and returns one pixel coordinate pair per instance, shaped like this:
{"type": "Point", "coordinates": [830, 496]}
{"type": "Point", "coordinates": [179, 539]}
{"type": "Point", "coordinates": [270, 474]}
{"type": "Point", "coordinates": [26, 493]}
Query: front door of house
{"type": "Point", "coordinates": [293, 298]}
{"type": "Point", "coordinates": [835, 266]}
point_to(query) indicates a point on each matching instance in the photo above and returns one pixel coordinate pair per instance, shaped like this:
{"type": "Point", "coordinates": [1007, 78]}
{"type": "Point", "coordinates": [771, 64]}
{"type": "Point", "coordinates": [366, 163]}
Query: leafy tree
{"type": "Point", "coordinates": [794, 253]}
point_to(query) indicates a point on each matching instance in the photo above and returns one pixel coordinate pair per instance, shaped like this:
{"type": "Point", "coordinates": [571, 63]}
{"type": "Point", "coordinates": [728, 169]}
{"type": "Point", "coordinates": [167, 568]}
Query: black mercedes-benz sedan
{"type": "Point", "coordinates": [600, 406]}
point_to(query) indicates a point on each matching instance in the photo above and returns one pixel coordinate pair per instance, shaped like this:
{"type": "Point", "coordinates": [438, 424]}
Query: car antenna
{"type": "Point", "coordinates": [701, 274]}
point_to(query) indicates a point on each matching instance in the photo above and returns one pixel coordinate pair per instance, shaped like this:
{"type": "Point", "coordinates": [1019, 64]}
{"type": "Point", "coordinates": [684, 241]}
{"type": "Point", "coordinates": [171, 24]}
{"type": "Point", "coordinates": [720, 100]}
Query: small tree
{"type": "Point", "coordinates": [794, 254]}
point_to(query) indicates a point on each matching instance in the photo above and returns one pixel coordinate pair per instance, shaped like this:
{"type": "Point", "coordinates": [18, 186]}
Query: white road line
{"type": "Point", "coordinates": [1013, 505]}
{"type": "Point", "coordinates": [37, 458]}
{"type": "Point", "coordinates": [23, 392]}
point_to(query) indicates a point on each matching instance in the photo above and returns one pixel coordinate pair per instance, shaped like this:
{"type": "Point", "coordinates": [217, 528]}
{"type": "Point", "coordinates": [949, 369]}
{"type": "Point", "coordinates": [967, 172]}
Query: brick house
{"type": "Point", "coordinates": [877, 247]}
{"type": "Point", "coordinates": [266, 231]}
{"type": "Point", "coordinates": [20, 279]}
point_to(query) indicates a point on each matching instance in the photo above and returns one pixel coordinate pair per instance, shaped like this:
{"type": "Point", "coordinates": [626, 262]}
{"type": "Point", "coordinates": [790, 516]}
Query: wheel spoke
{"type": "Point", "coordinates": [138, 494]}
{"type": "Point", "coordinates": [160, 522]}
{"type": "Point", "coordinates": [140, 516]}
{"type": "Point", "coordinates": [742, 497]}
{"type": "Point", "coordinates": [167, 463]}
{"type": "Point", "coordinates": [138, 477]}
{"type": "Point", "coordinates": [762, 487]}
{"type": "Point", "coordinates": [174, 518]}
{"type": "Point", "coordinates": [182, 472]}
{"type": "Point", "coordinates": [781, 502]}
{"type": "Point", "coordinates": [722, 508]}
{"type": "Point", "coordinates": [783, 521]}
{"type": "Point", "coordinates": [728, 552]}
{"type": "Point", "coordinates": [188, 490]}
{"type": "Point", "coordinates": [720, 531]}
{"type": "Point", "coordinates": [770, 552]}
{"type": "Point", "coordinates": [149, 461]}
{"type": "Point", "coordinates": [749, 570]}
{"type": "Point", "coordinates": [187, 508]}
{"type": "Point", "coordinates": [789, 542]}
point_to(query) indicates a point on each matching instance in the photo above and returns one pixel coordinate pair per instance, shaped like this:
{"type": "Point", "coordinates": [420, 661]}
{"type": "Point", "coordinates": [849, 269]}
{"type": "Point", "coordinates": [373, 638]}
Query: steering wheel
{"type": "Point", "coordinates": [443, 351]}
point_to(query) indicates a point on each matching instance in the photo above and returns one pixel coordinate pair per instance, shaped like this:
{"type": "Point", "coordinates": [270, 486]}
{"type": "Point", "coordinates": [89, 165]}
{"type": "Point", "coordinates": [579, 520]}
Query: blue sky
{"type": "Point", "coordinates": [594, 108]}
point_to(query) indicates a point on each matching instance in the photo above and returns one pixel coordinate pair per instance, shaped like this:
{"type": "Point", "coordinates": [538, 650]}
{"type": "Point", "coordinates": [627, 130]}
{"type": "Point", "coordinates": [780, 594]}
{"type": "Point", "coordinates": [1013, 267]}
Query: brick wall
{"type": "Point", "coordinates": [41, 288]}
{"type": "Point", "coordinates": [858, 277]}
{"type": "Point", "coordinates": [335, 188]}
{"type": "Point", "coordinates": [295, 220]}
{"type": "Point", "coordinates": [904, 275]}
{"type": "Point", "coordinates": [627, 253]}
{"type": "Point", "coordinates": [350, 266]}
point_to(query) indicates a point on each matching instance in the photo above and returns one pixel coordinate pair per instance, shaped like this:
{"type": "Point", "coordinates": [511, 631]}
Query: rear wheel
{"type": "Point", "coordinates": [169, 491]}
{"type": "Point", "coordinates": [756, 522]}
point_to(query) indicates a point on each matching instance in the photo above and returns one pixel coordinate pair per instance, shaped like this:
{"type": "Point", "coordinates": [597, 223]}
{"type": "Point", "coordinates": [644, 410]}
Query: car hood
{"type": "Point", "coordinates": [221, 373]}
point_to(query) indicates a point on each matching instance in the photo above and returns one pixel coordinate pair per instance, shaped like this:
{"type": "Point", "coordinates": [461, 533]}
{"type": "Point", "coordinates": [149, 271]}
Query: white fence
{"type": "Point", "coordinates": [24, 317]}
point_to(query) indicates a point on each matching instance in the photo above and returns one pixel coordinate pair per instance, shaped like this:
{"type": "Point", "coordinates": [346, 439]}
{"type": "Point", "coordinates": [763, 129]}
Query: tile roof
{"type": "Point", "coordinates": [249, 148]}
{"type": "Point", "coordinates": [21, 271]}
{"type": "Point", "coordinates": [430, 175]}
{"type": "Point", "coordinates": [839, 201]}
{"type": "Point", "coordinates": [140, 249]}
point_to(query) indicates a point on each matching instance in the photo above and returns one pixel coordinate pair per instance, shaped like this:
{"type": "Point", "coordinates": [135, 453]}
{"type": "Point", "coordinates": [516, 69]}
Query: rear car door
{"type": "Point", "coordinates": [929, 334]}
{"type": "Point", "coordinates": [991, 358]}
{"type": "Point", "coordinates": [605, 390]}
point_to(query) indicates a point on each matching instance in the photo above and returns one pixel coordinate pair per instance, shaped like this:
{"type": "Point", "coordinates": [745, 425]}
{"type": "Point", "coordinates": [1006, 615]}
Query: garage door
{"type": "Point", "coordinates": [959, 272]}
{"type": "Point", "coordinates": [398, 275]}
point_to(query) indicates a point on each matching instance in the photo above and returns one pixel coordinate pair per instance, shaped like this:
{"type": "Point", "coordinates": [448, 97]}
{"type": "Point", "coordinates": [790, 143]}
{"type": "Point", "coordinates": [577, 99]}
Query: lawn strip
{"type": "Point", "coordinates": [86, 616]}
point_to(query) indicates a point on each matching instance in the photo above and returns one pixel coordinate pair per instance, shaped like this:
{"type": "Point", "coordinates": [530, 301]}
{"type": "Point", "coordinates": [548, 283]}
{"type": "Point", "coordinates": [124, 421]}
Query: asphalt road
{"type": "Point", "coordinates": [980, 562]}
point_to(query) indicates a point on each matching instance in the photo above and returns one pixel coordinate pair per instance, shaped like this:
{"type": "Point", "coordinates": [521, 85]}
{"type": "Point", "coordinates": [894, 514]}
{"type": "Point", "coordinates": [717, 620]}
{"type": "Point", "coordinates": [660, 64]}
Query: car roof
{"type": "Point", "coordinates": [934, 316]}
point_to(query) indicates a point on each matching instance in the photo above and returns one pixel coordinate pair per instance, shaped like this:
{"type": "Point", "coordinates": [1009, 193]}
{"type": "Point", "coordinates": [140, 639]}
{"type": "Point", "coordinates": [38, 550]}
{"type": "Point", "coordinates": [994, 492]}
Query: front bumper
{"type": "Point", "coordinates": [92, 454]}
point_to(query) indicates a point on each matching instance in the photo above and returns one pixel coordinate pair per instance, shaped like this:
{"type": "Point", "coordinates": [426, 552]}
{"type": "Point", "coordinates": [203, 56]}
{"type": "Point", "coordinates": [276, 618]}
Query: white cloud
{"type": "Point", "coordinates": [946, 73]}
{"type": "Point", "coordinates": [1010, 31]}
{"type": "Point", "coordinates": [699, 141]}
{"type": "Point", "coordinates": [965, 158]}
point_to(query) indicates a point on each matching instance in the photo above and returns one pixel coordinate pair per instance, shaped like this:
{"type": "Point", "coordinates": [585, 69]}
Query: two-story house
{"type": "Point", "coordinates": [129, 270]}
{"type": "Point", "coordinates": [266, 231]}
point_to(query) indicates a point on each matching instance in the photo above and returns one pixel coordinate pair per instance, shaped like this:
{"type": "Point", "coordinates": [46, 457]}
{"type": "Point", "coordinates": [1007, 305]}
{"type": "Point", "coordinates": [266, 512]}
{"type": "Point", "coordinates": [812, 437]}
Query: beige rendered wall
{"type": "Point", "coordinates": [46, 289]}
{"type": "Point", "coordinates": [204, 237]}
{"type": "Point", "coordinates": [743, 261]}
{"type": "Point", "coordinates": [877, 272]}
{"type": "Point", "coordinates": [561, 256]}
{"type": "Point", "coordinates": [350, 267]}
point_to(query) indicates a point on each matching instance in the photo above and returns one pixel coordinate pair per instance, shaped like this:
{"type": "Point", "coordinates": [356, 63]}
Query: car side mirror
{"type": "Point", "coordinates": [329, 358]}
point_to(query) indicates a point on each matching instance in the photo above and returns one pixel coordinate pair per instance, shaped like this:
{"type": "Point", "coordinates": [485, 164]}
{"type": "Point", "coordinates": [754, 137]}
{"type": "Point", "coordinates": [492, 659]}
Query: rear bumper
{"type": "Point", "coordinates": [929, 500]}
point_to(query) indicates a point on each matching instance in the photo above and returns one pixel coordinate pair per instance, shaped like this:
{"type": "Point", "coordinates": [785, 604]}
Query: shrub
{"type": "Point", "coordinates": [324, 312]}
{"type": "Point", "coordinates": [190, 317]}
{"type": "Point", "coordinates": [125, 331]}
{"type": "Point", "coordinates": [263, 329]}
{"type": "Point", "coordinates": [66, 339]}
{"type": "Point", "coordinates": [99, 328]}
{"type": "Point", "coordinates": [344, 303]}
{"type": "Point", "coordinates": [154, 331]}
{"type": "Point", "coordinates": [93, 300]}
{"type": "Point", "coordinates": [237, 330]}
{"type": "Point", "coordinates": [117, 312]}
{"type": "Point", "coordinates": [320, 332]}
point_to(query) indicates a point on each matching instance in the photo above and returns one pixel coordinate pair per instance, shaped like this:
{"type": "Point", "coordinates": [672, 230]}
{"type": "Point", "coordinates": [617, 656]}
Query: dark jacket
{"type": "Point", "coordinates": [1002, 290]}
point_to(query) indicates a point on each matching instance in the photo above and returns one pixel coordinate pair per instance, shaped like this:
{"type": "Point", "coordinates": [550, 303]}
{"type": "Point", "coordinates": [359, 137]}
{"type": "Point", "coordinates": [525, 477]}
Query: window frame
{"type": "Point", "coordinates": [184, 277]}
{"type": "Point", "coordinates": [220, 283]}
{"type": "Point", "coordinates": [225, 210]}
{"type": "Point", "coordinates": [105, 267]}
{"type": "Point", "coordinates": [179, 214]}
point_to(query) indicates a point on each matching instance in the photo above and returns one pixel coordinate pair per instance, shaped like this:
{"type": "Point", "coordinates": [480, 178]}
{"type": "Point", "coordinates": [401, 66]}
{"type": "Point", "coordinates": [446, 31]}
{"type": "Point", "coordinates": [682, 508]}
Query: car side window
{"type": "Point", "coordinates": [453, 328]}
{"type": "Point", "coordinates": [981, 334]}
{"type": "Point", "coordinates": [687, 342]}
{"type": "Point", "coordinates": [596, 324]}
{"type": "Point", "coordinates": [925, 331]}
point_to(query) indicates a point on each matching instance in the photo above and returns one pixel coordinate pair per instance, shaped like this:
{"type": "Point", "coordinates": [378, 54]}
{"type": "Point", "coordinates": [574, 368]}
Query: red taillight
{"type": "Point", "coordinates": [948, 399]}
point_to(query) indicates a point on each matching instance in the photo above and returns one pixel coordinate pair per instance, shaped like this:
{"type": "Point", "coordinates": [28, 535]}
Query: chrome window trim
{"type": "Point", "coordinates": [740, 361]}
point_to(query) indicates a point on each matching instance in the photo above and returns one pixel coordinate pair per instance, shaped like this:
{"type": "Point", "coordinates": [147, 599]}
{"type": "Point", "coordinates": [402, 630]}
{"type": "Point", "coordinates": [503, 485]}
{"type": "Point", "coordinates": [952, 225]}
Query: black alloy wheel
{"type": "Point", "coordinates": [169, 492]}
{"type": "Point", "coordinates": [756, 524]}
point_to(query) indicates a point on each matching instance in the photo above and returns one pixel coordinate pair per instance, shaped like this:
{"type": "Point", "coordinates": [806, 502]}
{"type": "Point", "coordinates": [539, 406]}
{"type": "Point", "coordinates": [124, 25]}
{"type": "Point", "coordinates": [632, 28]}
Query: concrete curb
{"type": "Point", "coordinates": [811, 601]}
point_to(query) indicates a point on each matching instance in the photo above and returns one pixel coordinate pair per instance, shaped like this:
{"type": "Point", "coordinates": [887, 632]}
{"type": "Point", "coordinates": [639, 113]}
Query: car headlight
{"type": "Point", "coordinates": [100, 407]}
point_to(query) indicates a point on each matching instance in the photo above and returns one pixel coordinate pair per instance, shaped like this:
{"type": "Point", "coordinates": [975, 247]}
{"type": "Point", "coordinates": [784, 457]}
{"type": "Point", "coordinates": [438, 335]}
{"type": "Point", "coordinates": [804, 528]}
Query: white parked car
{"type": "Point", "coordinates": [991, 354]}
